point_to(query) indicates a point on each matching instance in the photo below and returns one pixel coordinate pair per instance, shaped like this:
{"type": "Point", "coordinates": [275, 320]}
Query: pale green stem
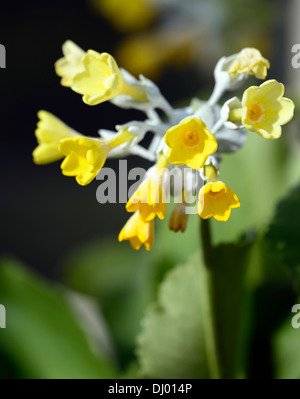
{"type": "Point", "coordinates": [216, 95]}
{"type": "Point", "coordinates": [217, 126]}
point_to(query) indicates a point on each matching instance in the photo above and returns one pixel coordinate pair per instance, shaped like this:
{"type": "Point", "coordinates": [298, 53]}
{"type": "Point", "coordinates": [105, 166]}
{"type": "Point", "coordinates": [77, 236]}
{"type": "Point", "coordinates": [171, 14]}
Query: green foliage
{"type": "Point", "coordinates": [269, 301]}
{"type": "Point", "coordinates": [283, 240]}
{"type": "Point", "coordinates": [122, 280]}
{"type": "Point", "coordinates": [42, 338]}
{"type": "Point", "coordinates": [231, 303]}
{"type": "Point", "coordinates": [171, 343]}
{"type": "Point", "coordinates": [260, 174]}
{"type": "Point", "coordinates": [286, 349]}
{"type": "Point", "coordinates": [283, 233]}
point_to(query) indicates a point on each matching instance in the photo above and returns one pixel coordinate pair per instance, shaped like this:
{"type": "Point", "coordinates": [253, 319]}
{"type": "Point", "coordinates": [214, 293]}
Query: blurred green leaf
{"type": "Point", "coordinates": [123, 281]}
{"type": "Point", "coordinates": [260, 174]}
{"type": "Point", "coordinates": [175, 247]}
{"type": "Point", "coordinates": [267, 305]}
{"type": "Point", "coordinates": [171, 342]}
{"type": "Point", "coordinates": [286, 349]}
{"type": "Point", "coordinates": [283, 233]}
{"type": "Point", "coordinates": [231, 296]}
{"type": "Point", "coordinates": [42, 337]}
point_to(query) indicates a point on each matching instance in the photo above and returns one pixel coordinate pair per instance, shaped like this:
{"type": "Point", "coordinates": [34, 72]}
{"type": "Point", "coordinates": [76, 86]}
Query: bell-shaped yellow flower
{"type": "Point", "coordinates": [138, 232]}
{"type": "Point", "coordinates": [190, 143]}
{"type": "Point", "coordinates": [102, 80]}
{"type": "Point", "coordinates": [216, 200]}
{"type": "Point", "coordinates": [49, 133]}
{"type": "Point", "coordinates": [265, 109]}
{"type": "Point", "coordinates": [251, 62]}
{"type": "Point", "coordinates": [84, 158]}
{"type": "Point", "coordinates": [71, 64]}
{"type": "Point", "coordinates": [150, 197]}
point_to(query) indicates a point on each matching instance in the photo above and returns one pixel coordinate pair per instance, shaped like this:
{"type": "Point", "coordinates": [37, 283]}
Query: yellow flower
{"type": "Point", "coordinates": [264, 109]}
{"type": "Point", "coordinates": [49, 132]}
{"type": "Point", "coordinates": [138, 232]}
{"type": "Point", "coordinates": [85, 156]}
{"type": "Point", "coordinates": [190, 143]}
{"type": "Point", "coordinates": [150, 198]}
{"type": "Point", "coordinates": [126, 16]}
{"type": "Point", "coordinates": [251, 62]}
{"type": "Point", "coordinates": [101, 80]}
{"type": "Point", "coordinates": [178, 218]}
{"type": "Point", "coordinates": [216, 200]}
{"type": "Point", "coordinates": [71, 64]}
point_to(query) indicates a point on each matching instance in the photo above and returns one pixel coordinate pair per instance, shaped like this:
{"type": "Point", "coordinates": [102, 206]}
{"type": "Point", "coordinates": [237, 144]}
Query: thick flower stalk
{"type": "Point", "coordinates": [186, 145]}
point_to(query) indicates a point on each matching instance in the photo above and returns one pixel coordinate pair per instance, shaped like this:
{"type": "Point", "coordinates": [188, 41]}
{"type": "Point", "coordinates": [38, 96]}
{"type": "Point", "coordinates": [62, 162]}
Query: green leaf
{"type": "Point", "coordinates": [171, 342]}
{"type": "Point", "coordinates": [283, 233]}
{"type": "Point", "coordinates": [260, 174]}
{"type": "Point", "coordinates": [122, 280]}
{"type": "Point", "coordinates": [42, 336]}
{"type": "Point", "coordinates": [286, 350]}
{"type": "Point", "coordinates": [231, 300]}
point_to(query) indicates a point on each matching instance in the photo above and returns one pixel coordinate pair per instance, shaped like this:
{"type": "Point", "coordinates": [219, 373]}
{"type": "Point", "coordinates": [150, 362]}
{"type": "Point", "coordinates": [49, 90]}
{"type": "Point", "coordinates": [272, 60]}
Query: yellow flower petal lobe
{"type": "Point", "coordinates": [71, 64]}
{"type": "Point", "coordinates": [150, 197]}
{"type": "Point", "coordinates": [84, 158]}
{"type": "Point", "coordinates": [138, 232]}
{"type": "Point", "coordinates": [101, 79]}
{"type": "Point", "coordinates": [265, 109]}
{"type": "Point", "coordinates": [49, 132]}
{"type": "Point", "coordinates": [190, 143]}
{"type": "Point", "coordinates": [216, 200]}
{"type": "Point", "coordinates": [251, 62]}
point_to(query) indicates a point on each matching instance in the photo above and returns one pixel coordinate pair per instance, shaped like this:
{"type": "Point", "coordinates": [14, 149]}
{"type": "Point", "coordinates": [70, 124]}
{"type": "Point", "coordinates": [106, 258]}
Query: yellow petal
{"type": "Point", "coordinates": [84, 158]}
{"type": "Point", "coordinates": [190, 143]}
{"type": "Point", "coordinates": [272, 110]}
{"type": "Point", "coordinates": [216, 200]}
{"type": "Point", "coordinates": [149, 199]}
{"type": "Point", "coordinates": [100, 81]}
{"type": "Point", "coordinates": [286, 112]}
{"type": "Point", "coordinates": [71, 64]}
{"type": "Point", "coordinates": [138, 232]}
{"type": "Point", "coordinates": [250, 61]}
{"type": "Point", "coordinates": [50, 131]}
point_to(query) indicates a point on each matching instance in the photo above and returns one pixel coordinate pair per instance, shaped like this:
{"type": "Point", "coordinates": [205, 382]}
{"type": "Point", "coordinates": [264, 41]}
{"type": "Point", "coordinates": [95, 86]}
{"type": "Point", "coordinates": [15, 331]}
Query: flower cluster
{"type": "Point", "coordinates": [189, 139]}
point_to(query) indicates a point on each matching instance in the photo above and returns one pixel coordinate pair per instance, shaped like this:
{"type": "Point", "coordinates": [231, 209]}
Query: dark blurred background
{"type": "Point", "coordinates": [44, 214]}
